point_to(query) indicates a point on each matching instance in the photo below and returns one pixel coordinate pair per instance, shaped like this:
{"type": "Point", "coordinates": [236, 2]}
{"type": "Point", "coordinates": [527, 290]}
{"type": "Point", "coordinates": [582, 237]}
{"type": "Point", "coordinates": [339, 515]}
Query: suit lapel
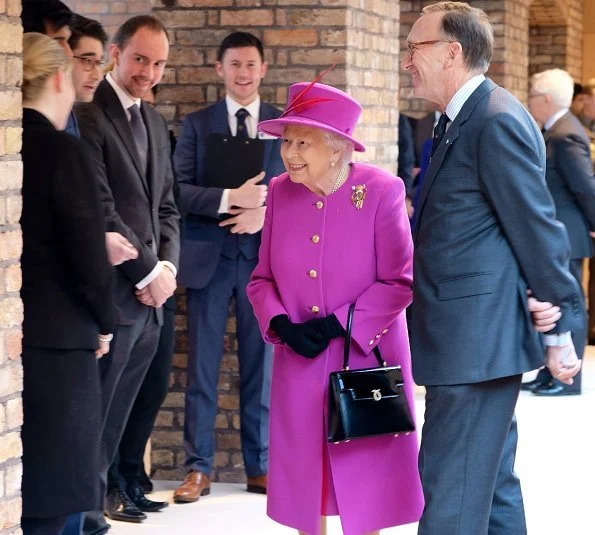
{"type": "Point", "coordinates": [450, 137]}
{"type": "Point", "coordinates": [547, 134]}
{"type": "Point", "coordinates": [219, 123]}
{"type": "Point", "coordinates": [115, 113]}
{"type": "Point", "coordinates": [153, 165]}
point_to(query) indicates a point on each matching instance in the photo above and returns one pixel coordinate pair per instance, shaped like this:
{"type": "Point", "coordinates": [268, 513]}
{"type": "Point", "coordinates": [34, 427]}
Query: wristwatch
{"type": "Point", "coordinates": [106, 339]}
{"type": "Point", "coordinates": [561, 339]}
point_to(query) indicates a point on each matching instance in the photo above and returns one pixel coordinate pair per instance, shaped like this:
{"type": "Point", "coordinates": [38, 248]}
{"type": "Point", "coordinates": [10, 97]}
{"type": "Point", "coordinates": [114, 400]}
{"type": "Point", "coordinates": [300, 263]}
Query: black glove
{"type": "Point", "coordinates": [302, 338]}
{"type": "Point", "coordinates": [329, 327]}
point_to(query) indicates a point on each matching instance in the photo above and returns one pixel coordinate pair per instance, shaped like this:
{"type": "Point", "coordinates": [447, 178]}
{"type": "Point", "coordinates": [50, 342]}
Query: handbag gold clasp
{"type": "Point", "coordinates": [376, 394]}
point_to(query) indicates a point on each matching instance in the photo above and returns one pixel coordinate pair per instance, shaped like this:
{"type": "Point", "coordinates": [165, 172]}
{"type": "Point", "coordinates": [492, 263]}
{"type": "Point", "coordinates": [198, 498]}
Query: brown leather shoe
{"type": "Point", "coordinates": [196, 484]}
{"type": "Point", "coordinates": [257, 484]}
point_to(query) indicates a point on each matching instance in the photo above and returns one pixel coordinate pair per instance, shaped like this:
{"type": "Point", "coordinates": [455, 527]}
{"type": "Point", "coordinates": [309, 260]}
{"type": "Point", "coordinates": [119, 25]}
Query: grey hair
{"type": "Point", "coordinates": [340, 144]}
{"type": "Point", "coordinates": [469, 26]}
{"type": "Point", "coordinates": [556, 83]}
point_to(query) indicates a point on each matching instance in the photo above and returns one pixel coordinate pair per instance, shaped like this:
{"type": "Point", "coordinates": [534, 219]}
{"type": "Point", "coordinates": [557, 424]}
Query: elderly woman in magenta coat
{"type": "Point", "coordinates": [335, 233]}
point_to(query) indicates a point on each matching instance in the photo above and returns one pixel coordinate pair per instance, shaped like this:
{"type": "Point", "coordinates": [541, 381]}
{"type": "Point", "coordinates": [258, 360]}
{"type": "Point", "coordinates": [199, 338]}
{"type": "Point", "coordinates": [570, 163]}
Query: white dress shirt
{"type": "Point", "coordinates": [251, 124]}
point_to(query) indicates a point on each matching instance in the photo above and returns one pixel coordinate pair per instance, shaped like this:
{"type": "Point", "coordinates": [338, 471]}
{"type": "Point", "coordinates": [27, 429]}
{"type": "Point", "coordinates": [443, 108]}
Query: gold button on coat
{"type": "Point", "coordinates": [315, 309]}
{"type": "Point", "coordinates": [313, 274]}
{"type": "Point", "coordinates": [371, 342]}
{"type": "Point", "coordinates": [385, 331]}
{"type": "Point", "coordinates": [320, 205]}
{"type": "Point", "coordinates": [316, 238]}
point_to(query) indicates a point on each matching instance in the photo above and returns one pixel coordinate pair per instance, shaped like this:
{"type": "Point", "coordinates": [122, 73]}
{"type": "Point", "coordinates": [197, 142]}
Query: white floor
{"type": "Point", "coordinates": [556, 464]}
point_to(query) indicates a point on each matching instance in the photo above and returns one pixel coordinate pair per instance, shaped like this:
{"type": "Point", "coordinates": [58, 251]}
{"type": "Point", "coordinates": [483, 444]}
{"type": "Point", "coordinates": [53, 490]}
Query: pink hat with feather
{"type": "Point", "coordinates": [320, 106]}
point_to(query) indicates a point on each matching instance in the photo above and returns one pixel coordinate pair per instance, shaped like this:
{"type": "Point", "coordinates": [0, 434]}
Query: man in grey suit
{"type": "Point", "coordinates": [569, 176]}
{"type": "Point", "coordinates": [129, 143]}
{"type": "Point", "coordinates": [486, 233]}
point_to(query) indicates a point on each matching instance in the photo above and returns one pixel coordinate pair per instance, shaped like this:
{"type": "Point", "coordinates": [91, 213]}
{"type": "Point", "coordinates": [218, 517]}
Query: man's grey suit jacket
{"type": "Point", "coordinates": [138, 205]}
{"type": "Point", "coordinates": [486, 232]}
{"type": "Point", "coordinates": [569, 177]}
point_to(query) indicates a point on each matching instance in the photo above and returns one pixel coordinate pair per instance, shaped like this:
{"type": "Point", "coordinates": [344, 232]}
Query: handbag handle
{"type": "Point", "coordinates": [347, 347]}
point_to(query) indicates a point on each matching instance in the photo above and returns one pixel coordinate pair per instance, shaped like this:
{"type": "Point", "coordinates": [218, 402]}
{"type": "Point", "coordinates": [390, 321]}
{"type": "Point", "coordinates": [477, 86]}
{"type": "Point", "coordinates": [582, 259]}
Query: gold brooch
{"type": "Point", "coordinates": [359, 195]}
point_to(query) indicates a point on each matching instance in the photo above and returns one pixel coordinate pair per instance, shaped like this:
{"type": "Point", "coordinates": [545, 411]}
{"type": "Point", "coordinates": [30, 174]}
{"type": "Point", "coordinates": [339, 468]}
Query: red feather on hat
{"type": "Point", "coordinates": [300, 102]}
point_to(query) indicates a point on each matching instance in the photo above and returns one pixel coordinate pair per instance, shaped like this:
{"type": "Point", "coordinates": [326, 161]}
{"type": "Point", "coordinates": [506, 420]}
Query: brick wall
{"type": "Point", "coordinates": [510, 60]}
{"type": "Point", "coordinates": [556, 38]}
{"type": "Point", "coordinates": [111, 13]}
{"type": "Point", "coordinates": [11, 374]}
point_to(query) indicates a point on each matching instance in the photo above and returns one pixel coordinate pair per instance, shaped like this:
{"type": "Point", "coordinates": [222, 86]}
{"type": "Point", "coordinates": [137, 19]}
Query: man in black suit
{"type": "Point", "coordinates": [485, 233]}
{"type": "Point", "coordinates": [219, 253]}
{"type": "Point", "coordinates": [129, 144]}
{"type": "Point", "coordinates": [569, 176]}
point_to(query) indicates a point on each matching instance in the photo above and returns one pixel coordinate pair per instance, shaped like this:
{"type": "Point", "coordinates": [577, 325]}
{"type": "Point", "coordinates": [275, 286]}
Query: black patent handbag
{"type": "Point", "coordinates": [367, 402]}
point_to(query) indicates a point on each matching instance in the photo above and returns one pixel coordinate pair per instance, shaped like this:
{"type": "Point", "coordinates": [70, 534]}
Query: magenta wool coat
{"type": "Point", "coordinates": [318, 255]}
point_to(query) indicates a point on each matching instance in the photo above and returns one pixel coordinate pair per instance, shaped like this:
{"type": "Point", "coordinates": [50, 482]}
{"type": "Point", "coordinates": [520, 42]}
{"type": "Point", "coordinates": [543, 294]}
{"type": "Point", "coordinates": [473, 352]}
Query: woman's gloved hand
{"type": "Point", "coordinates": [329, 327]}
{"type": "Point", "coordinates": [304, 339]}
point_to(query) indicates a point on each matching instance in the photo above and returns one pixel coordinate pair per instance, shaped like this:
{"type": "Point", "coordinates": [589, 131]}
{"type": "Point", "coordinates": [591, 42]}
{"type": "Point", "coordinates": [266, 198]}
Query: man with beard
{"type": "Point", "coordinates": [129, 144]}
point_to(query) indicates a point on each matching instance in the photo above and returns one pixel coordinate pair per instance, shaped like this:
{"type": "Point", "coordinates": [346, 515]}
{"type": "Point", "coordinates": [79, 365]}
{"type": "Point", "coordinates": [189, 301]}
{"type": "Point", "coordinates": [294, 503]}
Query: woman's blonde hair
{"type": "Point", "coordinates": [42, 57]}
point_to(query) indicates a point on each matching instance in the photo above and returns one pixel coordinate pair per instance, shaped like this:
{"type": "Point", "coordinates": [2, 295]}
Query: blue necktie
{"type": "Point", "coordinates": [242, 130]}
{"type": "Point", "coordinates": [439, 131]}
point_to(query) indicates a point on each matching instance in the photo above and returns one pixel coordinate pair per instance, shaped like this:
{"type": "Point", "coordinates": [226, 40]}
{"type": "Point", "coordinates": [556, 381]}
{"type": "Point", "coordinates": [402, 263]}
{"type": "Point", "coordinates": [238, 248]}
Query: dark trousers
{"type": "Point", "coordinates": [579, 336]}
{"type": "Point", "coordinates": [466, 460]}
{"type": "Point", "coordinates": [43, 526]}
{"type": "Point", "coordinates": [128, 465]}
{"type": "Point", "coordinates": [123, 370]}
{"type": "Point", "coordinates": [207, 319]}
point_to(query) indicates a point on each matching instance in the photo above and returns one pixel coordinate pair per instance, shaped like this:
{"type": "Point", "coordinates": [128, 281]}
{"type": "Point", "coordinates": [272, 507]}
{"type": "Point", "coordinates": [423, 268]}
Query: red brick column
{"type": "Point", "coordinates": [11, 310]}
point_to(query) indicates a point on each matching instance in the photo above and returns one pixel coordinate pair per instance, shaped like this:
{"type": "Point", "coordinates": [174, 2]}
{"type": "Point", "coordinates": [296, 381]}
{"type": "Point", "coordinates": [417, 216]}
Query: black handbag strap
{"type": "Point", "coordinates": [347, 348]}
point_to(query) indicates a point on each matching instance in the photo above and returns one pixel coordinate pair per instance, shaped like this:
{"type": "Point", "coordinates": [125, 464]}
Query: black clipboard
{"type": "Point", "coordinates": [230, 161]}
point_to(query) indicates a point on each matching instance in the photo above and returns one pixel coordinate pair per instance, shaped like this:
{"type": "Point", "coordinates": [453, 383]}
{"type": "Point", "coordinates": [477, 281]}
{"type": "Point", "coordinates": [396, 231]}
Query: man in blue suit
{"type": "Point", "coordinates": [485, 234]}
{"type": "Point", "coordinates": [219, 252]}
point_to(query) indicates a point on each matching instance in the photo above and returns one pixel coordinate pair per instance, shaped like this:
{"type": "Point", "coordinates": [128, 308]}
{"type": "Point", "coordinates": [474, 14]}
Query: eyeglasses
{"type": "Point", "coordinates": [413, 46]}
{"type": "Point", "coordinates": [90, 63]}
{"type": "Point", "coordinates": [533, 95]}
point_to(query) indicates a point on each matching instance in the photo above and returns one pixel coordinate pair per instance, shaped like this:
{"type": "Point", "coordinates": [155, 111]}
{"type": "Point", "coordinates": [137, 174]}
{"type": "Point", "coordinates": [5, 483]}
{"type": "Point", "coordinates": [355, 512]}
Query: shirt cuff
{"type": "Point", "coordinates": [224, 204]}
{"type": "Point", "coordinates": [151, 276]}
{"type": "Point", "coordinates": [561, 339]}
{"type": "Point", "coordinates": [170, 266]}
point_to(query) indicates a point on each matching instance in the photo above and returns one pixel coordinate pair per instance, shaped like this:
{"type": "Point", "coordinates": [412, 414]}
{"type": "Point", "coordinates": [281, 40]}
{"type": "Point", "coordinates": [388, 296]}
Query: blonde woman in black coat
{"type": "Point", "coordinates": [68, 300]}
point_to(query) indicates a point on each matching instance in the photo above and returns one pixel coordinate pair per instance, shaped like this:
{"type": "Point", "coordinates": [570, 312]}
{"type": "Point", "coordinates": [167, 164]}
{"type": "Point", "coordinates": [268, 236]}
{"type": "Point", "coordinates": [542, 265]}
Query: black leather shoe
{"type": "Point", "coordinates": [145, 483]}
{"type": "Point", "coordinates": [118, 506]}
{"type": "Point", "coordinates": [531, 386]}
{"type": "Point", "coordinates": [554, 389]}
{"type": "Point", "coordinates": [148, 506]}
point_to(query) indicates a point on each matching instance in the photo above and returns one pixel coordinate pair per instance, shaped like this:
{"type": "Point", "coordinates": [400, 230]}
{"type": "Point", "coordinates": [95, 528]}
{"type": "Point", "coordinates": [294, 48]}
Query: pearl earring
{"type": "Point", "coordinates": [332, 163]}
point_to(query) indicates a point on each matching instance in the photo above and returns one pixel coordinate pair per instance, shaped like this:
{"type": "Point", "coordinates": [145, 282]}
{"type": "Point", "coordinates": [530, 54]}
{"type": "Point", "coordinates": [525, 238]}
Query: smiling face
{"type": "Point", "coordinates": [87, 54]}
{"type": "Point", "coordinates": [426, 58]}
{"type": "Point", "coordinates": [140, 65]}
{"type": "Point", "coordinates": [307, 156]}
{"type": "Point", "coordinates": [242, 70]}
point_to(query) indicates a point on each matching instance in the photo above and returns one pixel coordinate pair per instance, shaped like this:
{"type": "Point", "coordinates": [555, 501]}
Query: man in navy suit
{"type": "Point", "coordinates": [219, 252]}
{"type": "Point", "coordinates": [569, 176]}
{"type": "Point", "coordinates": [485, 233]}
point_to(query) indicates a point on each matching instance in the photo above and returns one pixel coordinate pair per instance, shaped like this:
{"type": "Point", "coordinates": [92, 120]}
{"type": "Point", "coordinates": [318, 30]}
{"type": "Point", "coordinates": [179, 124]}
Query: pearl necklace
{"type": "Point", "coordinates": [341, 177]}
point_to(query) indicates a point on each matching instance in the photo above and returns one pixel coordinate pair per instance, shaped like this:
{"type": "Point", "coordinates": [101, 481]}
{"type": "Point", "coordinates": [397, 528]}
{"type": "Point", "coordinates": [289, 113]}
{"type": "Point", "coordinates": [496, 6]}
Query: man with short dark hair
{"type": "Point", "coordinates": [87, 42]}
{"type": "Point", "coordinates": [485, 233]}
{"type": "Point", "coordinates": [129, 144]}
{"type": "Point", "coordinates": [50, 17]}
{"type": "Point", "coordinates": [224, 217]}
